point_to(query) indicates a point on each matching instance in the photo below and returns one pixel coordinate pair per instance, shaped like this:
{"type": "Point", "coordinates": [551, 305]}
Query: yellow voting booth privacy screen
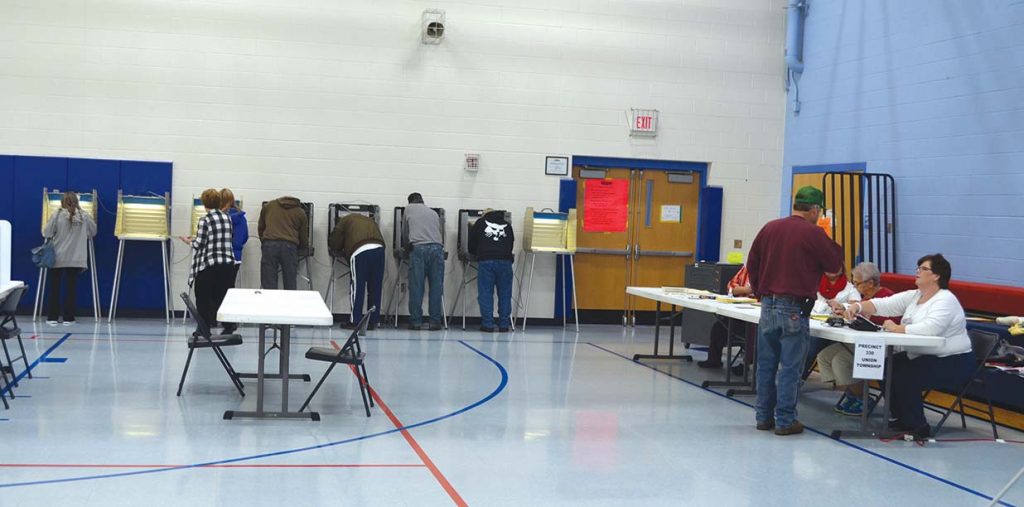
{"type": "Point", "coordinates": [143, 217]}
{"type": "Point", "coordinates": [52, 200]}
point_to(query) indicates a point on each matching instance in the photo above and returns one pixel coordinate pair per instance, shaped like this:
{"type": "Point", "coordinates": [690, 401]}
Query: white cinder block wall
{"type": "Point", "coordinates": [338, 101]}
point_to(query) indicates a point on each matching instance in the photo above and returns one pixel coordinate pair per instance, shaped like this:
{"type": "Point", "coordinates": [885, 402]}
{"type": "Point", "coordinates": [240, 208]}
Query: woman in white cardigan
{"type": "Point", "coordinates": [930, 310]}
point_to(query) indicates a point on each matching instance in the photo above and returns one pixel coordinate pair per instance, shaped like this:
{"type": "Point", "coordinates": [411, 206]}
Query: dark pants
{"type": "Point", "coordinates": [912, 376]}
{"type": "Point", "coordinates": [53, 308]}
{"type": "Point", "coordinates": [211, 285]}
{"type": "Point", "coordinates": [426, 262]}
{"type": "Point", "coordinates": [279, 255]}
{"type": "Point", "coordinates": [720, 338]}
{"type": "Point", "coordinates": [366, 280]}
{"type": "Point", "coordinates": [491, 275]}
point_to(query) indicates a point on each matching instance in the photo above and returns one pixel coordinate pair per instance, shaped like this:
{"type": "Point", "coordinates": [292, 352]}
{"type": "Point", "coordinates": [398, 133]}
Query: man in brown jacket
{"type": "Point", "coordinates": [284, 232]}
{"type": "Point", "coordinates": [357, 239]}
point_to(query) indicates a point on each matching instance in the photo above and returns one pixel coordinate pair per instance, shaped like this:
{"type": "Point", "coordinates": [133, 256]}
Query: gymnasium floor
{"type": "Point", "coordinates": [462, 418]}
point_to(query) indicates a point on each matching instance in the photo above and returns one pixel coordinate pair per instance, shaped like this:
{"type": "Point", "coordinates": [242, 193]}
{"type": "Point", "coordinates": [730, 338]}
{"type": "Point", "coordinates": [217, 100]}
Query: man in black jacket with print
{"type": "Point", "coordinates": [491, 240]}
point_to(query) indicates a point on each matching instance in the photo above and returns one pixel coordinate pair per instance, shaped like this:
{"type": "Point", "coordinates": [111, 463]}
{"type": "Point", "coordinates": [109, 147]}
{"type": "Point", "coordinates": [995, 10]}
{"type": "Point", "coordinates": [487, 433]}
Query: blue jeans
{"type": "Point", "coordinates": [782, 339]}
{"type": "Point", "coordinates": [426, 264]}
{"type": "Point", "coordinates": [366, 280]}
{"type": "Point", "coordinates": [490, 275]}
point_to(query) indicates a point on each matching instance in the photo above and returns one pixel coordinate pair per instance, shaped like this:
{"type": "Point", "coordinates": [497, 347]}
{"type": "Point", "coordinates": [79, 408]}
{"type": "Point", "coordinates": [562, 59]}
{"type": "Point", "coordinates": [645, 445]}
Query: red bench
{"type": "Point", "coordinates": [974, 297]}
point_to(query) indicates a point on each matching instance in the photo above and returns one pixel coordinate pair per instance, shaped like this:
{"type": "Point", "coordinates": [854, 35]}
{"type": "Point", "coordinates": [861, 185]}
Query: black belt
{"type": "Point", "coordinates": [786, 297]}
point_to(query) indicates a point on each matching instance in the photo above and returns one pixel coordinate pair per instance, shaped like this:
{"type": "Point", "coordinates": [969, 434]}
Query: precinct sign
{"type": "Point", "coordinates": [869, 359]}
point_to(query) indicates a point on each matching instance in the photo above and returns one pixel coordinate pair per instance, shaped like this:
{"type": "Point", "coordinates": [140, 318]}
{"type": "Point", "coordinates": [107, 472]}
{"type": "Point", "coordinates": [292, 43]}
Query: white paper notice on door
{"type": "Point", "coordinates": [672, 213]}
{"type": "Point", "coordinates": [869, 359]}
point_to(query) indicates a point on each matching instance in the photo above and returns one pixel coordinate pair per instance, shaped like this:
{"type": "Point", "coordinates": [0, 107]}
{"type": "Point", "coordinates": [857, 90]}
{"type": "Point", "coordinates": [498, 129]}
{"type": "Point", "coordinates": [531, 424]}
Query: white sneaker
{"type": "Point", "coordinates": [68, 322]}
{"type": "Point", "coordinates": [52, 322]}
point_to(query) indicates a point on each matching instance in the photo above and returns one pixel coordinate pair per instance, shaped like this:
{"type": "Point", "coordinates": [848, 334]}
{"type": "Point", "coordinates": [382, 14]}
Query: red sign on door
{"type": "Point", "coordinates": [605, 205]}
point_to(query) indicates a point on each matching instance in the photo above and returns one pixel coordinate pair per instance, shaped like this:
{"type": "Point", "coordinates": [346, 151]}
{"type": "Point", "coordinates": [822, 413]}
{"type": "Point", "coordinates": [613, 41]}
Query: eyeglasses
{"type": "Point", "coordinates": [923, 268]}
{"type": "Point", "coordinates": [858, 283]}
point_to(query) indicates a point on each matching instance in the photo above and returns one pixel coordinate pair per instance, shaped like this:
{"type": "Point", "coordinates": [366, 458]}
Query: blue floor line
{"type": "Point", "coordinates": [41, 359]}
{"type": "Point", "coordinates": [497, 390]}
{"type": "Point", "coordinates": [826, 435]}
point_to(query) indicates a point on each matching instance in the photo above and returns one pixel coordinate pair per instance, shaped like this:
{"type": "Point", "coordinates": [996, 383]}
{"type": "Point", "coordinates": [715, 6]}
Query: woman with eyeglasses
{"type": "Point", "coordinates": [930, 310]}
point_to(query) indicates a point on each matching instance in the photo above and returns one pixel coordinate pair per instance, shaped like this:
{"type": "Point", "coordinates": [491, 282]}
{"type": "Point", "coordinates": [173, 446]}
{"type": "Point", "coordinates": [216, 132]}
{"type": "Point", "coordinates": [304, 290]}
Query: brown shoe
{"type": "Point", "coordinates": [766, 425]}
{"type": "Point", "coordinates": [792, 429]}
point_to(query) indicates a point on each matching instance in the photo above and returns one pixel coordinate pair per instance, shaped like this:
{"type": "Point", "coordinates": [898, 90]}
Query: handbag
{"type": "Point", "coordinates": [43, 256]}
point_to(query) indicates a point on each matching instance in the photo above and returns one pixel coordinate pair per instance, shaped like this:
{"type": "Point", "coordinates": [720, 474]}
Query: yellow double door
{"type": "Point", "coordinates": [642, 231]}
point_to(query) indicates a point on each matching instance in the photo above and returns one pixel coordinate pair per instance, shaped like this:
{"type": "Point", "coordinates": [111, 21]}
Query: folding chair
{"type": "Point", "coordinates": [982, 343]}
{"type": "Point", "coordinates": [352, 354]}
{"type": "Point", "coordinates": [9, 330]}
{"type": "Point", "coordinates": [203, 339]}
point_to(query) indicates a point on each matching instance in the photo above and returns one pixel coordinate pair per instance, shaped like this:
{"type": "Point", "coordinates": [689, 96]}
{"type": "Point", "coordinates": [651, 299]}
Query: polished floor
{"type": "Point", "coordinates": [546, 417]}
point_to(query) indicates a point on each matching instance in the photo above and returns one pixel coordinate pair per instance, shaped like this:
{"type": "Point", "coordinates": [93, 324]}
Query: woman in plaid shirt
{"type": "Point", "coordinates": [213, 262]}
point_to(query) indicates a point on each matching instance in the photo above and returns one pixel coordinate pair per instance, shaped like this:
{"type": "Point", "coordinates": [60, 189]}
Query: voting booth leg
{"type": "Point", "coordinates": [164, 245]}
{"type": "Point", "coordinates": [529, 286]}
{"type": "Point", "coordinates": [97, 311]}
{"type": "Point", "coordinates": [37, 308]}
{"type": "Point", "coordinates": [575, 306]}
{"type": "Point", "coordinates": [517, 277]}
{"type": "Point", "coordinates": [1006, 488]}
{"type": "Point", "coordinates": [657, 337]}
{"type": "Point", "coordinates": [117, 281]}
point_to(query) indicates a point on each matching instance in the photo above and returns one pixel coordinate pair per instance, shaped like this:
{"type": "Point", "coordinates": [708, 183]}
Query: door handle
{"type": "Point", "coordinates": [664, 253]}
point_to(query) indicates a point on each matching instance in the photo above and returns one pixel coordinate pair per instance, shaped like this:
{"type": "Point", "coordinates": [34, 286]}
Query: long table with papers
{"type": "Point", "coordinates": [752, 314]}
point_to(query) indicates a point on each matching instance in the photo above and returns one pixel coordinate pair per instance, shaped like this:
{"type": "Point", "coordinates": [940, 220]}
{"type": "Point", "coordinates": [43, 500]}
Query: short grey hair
{"type": "Point", "coordinates": [868, 272]}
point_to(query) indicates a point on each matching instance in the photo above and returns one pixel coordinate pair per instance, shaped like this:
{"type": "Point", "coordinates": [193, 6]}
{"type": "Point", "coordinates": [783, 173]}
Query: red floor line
{"type": "Point", "coordinates": [229, 465]}
{"type": "Point", "coordinates": [441, 479]}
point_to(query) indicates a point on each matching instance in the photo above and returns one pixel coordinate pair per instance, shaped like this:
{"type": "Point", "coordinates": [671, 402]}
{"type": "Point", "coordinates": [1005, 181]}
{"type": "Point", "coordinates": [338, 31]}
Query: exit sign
{"type": "Point", "coordinates": [643, 122]}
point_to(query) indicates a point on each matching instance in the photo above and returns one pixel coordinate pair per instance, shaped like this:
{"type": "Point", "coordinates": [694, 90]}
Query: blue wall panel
{"type": "Point", "coordinates": [6, 187]}
{"type": "Point", "coordinates": [937, 103]}
{"type": "Point", "coordinates": [22, 180]}
{"type": "Point", "coordinates": [31, 175]}
{"type": "Point", "coordinates": [142, 275]}
{"type": "Point", "coordinates": [104, 176]}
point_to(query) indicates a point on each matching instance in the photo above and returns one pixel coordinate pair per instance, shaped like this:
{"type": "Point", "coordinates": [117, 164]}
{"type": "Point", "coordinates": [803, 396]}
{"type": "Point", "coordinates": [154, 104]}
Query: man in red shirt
{"type": "Point", "coordinates": [785, 263]}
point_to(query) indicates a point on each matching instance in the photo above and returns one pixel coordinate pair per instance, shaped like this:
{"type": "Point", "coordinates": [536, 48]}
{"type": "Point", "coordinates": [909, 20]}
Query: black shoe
{"type": "Point", "coordinates": [415, 327]}
{"type": "Point", "coordinates": [487, 329]}
{"type": "Point", "coordinates": [709, 364]}
{"type": "Point", "coordinates": [229, 329]}
{"type": "Point", "coordinates": [371, 327]}
{"type": "Point", "coordinates": [923, 432]}
{"type": "Point", "coordinates": [436, 327]}
{"type": "Point", "coordinates": [502, 329]}
{"type": "Point", "coordinates": [349, 325]}
{"type": "Point", "coordinates": [738, 370]}
{"type": "Point", "coordinates": [766, 425]}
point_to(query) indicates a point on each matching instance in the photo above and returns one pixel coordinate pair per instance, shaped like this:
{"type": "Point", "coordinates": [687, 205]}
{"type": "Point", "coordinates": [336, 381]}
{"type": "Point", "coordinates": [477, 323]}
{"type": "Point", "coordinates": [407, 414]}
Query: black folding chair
{"type": "Point", "coordinates": [203, 339]}
{"type": "Point", "coordinates": [9, 330]}
{"type": "Point", "coordinates": [983, 343]}
{"type": "Point", "coordinates": [352, 354]}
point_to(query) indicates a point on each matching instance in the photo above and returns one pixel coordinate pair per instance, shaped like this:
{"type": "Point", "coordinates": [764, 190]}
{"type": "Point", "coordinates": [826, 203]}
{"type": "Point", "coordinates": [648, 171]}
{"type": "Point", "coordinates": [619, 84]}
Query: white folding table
{"type": "Point", "coordinates": [8, 287]}
{"type": "Point", "coordinates": [280, 310]}
{"type": "Point", "coordinates": [817, 329]}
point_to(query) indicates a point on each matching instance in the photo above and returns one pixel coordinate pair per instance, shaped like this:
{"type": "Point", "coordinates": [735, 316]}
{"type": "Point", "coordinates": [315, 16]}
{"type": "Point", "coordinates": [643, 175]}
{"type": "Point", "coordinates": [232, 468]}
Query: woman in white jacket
{"type": "Point", "coordinates": [931, 310]}
{"type": "Point", "coordinates": [69, 230]}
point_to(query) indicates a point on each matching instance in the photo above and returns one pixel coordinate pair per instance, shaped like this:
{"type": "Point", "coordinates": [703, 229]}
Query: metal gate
{"type": "Point", "coordinates": [864, 216]}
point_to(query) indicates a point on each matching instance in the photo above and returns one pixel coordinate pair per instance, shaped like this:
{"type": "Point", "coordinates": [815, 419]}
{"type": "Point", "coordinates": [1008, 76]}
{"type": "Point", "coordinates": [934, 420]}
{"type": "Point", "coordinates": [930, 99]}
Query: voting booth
{"type": "Point", "coordinates": [548, 232]}
{"type": "Point", "coordinates": [399, 236]}
{"type": "Point", "coordinates": [468, 218]}
{"type": "Point", "coordinates": [339, 263]}
{"type": "Point", "coordinates": [87, 201]}
{"type": "Point", "coordinates": [143, 218]}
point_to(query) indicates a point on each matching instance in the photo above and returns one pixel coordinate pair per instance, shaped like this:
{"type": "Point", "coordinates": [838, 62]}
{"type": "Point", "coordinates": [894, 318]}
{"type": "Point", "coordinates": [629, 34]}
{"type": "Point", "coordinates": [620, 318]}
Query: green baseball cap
{"type": "Point", "coordinates": [810, 195]}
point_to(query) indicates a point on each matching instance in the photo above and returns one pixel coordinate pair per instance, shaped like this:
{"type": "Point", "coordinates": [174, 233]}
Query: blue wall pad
{"type": "Point", "coordinates": [22, 180]}
{"type": "Point", "coordinates": [709, 224]}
